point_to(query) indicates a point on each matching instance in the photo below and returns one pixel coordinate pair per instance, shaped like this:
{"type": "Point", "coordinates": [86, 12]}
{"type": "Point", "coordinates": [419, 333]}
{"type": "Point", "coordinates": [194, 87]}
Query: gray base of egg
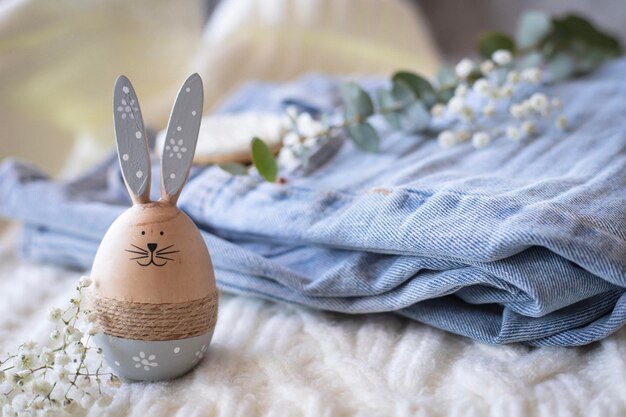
{"type": "Point", "coordinates": [144, 360]}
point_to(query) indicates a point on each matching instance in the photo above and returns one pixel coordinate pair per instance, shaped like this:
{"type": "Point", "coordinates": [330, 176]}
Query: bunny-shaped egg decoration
{"type": "Point", "coordinates": [154, 291]}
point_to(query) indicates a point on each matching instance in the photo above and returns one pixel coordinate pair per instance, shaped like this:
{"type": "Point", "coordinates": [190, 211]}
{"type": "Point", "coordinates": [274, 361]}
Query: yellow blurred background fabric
{"type": "Point", "coordinates": [59, 60]}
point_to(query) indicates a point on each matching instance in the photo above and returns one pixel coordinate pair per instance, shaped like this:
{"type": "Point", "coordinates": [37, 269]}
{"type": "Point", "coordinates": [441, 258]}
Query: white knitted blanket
{"type": "Point", "coordinates": [270, 359]}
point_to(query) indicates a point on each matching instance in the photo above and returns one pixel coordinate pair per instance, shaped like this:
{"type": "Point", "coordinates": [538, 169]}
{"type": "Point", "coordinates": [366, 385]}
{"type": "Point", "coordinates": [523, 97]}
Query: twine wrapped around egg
{"type": "Point", "coordinates": [146, 321]}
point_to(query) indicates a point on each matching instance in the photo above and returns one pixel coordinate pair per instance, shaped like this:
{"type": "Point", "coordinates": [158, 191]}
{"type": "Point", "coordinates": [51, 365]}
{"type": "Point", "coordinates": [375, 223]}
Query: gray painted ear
{"type": "Point", "coordinates": [181, 138]}
{"type": "Point", "coordinates": [132, 145]}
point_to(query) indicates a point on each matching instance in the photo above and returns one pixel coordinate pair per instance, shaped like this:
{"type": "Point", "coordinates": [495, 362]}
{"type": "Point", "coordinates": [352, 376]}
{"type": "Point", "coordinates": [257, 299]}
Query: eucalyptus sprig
{"type": "Point", "coordinates": [60, 379]}
{"type": "Point", "coordinates": [462, 102]}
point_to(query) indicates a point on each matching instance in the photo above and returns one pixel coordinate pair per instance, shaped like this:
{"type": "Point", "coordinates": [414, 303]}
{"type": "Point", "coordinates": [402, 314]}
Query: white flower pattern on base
{"type": "Point", "coordinates": [146, 361]}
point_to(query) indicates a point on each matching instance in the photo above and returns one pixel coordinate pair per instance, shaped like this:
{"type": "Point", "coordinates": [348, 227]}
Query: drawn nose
{"type": "Point", "coordinates": [152, 246]}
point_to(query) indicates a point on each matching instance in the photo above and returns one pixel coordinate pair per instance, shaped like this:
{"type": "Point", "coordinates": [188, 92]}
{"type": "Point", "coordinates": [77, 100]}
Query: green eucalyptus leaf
{"type": "Point", "coordinates": [561, 66]}
{"type": "Point", "coordinates": [420, 86]}
{"type": "Point", "coordinates": [264, 160]}
{"type": "Point", "coordinates": [234, 168]}
{"type": "Point", "coordinates": [358, 103]}
{"type": "Point", "coordinates": [364, 136]}
{"type": "Point", "coordinates": [386, 100]}
{"type": "Point", "coordinates": [414, 117]}
{"type": "Point", "coordinates": [580, 37]}
{"type": "Point", "coordinates": [491, 42]}
{"type": "Point", "coordinates": [533, 27]}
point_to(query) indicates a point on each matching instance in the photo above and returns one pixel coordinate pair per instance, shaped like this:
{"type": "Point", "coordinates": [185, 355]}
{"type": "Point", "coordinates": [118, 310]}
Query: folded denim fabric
{"type": "Point", "coordinates": [517, 242]}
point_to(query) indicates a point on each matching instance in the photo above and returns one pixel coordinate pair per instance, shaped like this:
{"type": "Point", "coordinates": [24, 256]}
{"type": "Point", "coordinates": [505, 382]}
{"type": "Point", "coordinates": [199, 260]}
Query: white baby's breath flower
{"type": "Point", "coordinates": [24, 361]}
{"type": "Point", "coordinates": [438, 110]}
{"type": "Point", "coordinates": [61, 372]}
{"type": "Point", "coordinates": [506, 91]}
{"type": "Point", "coordinates": [55, 335]}
{"type": "Point", "coordinates": [287, 159]}
{"type": "Point", "coordinates": [85, 281]}
{"type": "Point", "coordinates": [489, 110]}
{"type": "Point", "coordinates": [307, 126]}
{"type": "Point", "coordinates": [75, 337]}
{"type": "Point", "coordinates": [69, 330]}
{"type": "Point", "coordinates": [29, 346]}
{"type": "Point", "coordinates": [561, 122]}
{"type": "Point", "coordinates": [556, 104]}
{"type": "Point", "coordinates": [46, 356]}
{"type": "Point", "coordinates": [41, 387]}
{"type": "Point", "coordinates": [456, 104]}
{"type": "Point", "coordinates": [517, 111]}
{"type": "Point", "coordinates": [513, 77]}
{"type": "Point", "coordinates": [467, 113]}
{"type": "Point", "coordinates": [446, 139]}
{"type": "Point", "coordinates": [539, 102]}
{"type": "Point", "coordinates": [460, 91]}
{"type": "Point", "coordinates": [55, 314]}
{"type": "Point", "coordinates": [74, 409]}
{"type": "Point", "coordinates": [531, 75]}
{"type": "Point", "coordinates": [91, 317]}
{"type": "Point", "coordinates": [487, 67]}
{"type": "Point", "coordinates": [291, 139]}
{"type": "Point", "coordinates": [513, 133]}
{"type": "Point", "coordinates": [482, 87]}
{"type": "Point", "coordinates": [78, 348]}
{"type": "Point", "coordinates": [529, 128]}
{"type": "Point", "coordinates": [62, 358]}
{"type": "Point", "coordinates": [23, 377]}
{"type": "Point", "coordinates": [481, 139]}
{"type": "Point", "coordinates": [94, 330]}
{"type": "Point", "coordinates": [464, 68]}
{"type": "Point", "coordinates": [462, 135]}
{"type": "Point", "coordinates": [11, 378]}
{"type": "Point", "coordinates": [502, 57]}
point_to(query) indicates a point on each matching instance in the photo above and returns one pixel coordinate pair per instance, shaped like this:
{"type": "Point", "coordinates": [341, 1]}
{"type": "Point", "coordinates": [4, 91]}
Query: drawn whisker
{"type": "Point", "coordinates": [167, 253]}
{"type": "Point", "coordinates": [165, 248]}
{"type": "Point", "coordinates": [164, 257]}
{"type": "Point", "coordinates": [141, 249]}
{"type": "Point", "coordinates": [139, 257]}
{"type": "Point", "coordinates": [134, 251]}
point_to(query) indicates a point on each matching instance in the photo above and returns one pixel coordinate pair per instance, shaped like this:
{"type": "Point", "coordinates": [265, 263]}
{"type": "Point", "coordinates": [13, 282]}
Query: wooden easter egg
{"type": "Point", "coordinates": [154, 290]}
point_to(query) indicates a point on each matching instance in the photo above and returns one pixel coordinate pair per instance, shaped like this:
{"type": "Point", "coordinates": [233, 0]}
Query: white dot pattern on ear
{"type": "Point", "coordinates": [131, 143]}
{"type": "Point", "coordinates": [182, 135]}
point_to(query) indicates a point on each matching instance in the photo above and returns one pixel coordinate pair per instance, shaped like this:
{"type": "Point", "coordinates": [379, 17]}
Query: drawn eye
{"type": "Point", "coordinates": [161, 233]}
{"type": "Point", "coordinates": [143, 232]}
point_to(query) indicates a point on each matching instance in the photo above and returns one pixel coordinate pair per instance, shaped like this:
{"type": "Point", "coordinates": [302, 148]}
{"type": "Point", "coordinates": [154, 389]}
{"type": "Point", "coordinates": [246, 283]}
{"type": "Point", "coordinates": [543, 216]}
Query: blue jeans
{"type": "Point", "coordinates": [512, 243]}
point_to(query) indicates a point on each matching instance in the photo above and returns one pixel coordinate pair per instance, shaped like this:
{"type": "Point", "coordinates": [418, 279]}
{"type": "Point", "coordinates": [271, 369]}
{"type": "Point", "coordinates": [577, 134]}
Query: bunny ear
{"type": "Point", "coordinates": [181, 138]}
{"type": "Point", "coordinates": [132, 145]}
